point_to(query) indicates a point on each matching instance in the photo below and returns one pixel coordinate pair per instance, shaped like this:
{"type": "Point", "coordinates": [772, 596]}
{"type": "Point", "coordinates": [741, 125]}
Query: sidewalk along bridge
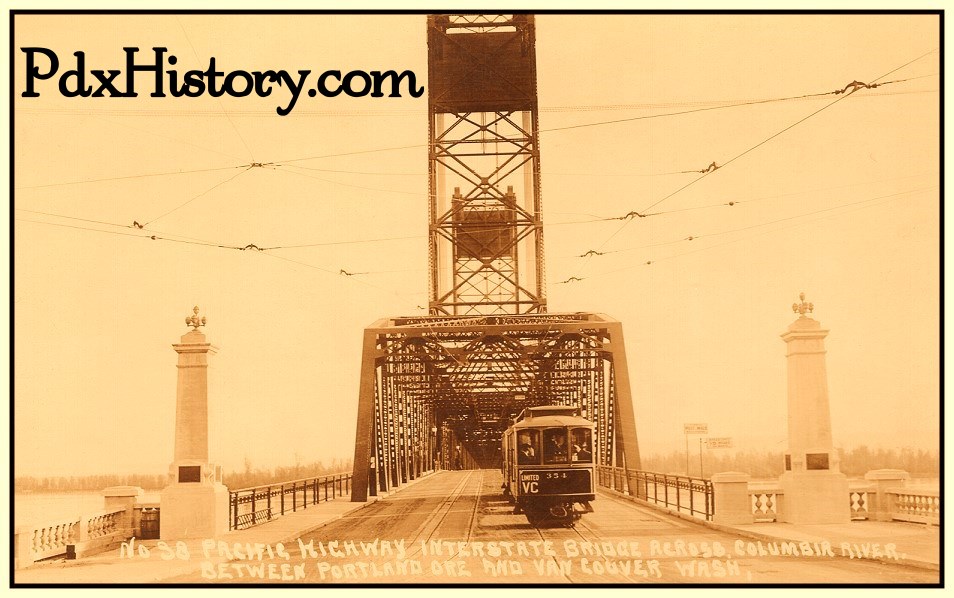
{"type": "Point", "coordinates": [438, 390]}
{"type": "Point", "coordinates": [456, 527]}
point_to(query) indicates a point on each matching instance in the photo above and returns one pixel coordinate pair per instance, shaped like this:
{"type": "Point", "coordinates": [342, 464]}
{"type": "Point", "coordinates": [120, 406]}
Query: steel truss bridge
{"type": "Point", "coordinates": [437, 391]}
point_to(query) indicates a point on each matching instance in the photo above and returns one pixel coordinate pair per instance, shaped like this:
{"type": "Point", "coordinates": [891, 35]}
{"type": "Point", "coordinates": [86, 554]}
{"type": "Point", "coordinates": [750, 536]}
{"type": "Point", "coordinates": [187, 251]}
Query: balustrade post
{"type": "Point", "coordinates": [253, 506]}
{"type": "Point", "coordinates": [233, 505]}
{"type": "Point", "coordinates": [881, 504]}
{"type": "Point", "coordinates": [125, 497]}
{"type": "Point", "coordinates": [731, 492]}
{"type": "Point", "coordinates": [82, 531]}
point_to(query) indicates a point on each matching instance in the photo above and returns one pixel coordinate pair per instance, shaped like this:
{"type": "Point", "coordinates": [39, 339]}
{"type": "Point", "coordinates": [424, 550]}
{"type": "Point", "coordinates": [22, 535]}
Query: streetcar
{"type": "Point", "coordinates": [548, 465]}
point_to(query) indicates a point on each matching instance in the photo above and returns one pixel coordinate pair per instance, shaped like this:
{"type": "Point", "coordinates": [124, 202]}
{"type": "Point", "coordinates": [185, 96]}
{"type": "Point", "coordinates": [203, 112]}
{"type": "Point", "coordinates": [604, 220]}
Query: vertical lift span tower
{"type": "Point", "coordinates": [438, 390]}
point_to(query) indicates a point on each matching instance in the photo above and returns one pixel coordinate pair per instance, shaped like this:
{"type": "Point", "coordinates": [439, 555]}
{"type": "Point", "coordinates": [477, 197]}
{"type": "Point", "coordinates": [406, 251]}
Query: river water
{"type": "Point", "coordinates": [33, 508]}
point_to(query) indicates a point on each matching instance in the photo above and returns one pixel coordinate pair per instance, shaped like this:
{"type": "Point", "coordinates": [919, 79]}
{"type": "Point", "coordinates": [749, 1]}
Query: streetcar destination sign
{"type": "Point", "coordinates": [696, 428]}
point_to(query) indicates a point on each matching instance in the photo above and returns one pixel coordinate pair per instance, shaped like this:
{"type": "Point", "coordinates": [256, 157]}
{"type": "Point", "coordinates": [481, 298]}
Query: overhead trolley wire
{"type": "Point", "coordinates": [218, 100]}
{"type": "Point", "coordinates": [414, 146]}
{"type": "Point", "coordinates": [156, 237]}
{"type": "Point", "coordinates": [615, 121]}
{"type": "Point", "coordinates": [132, 176]}
{"type": "Point", "coordinates": [209, 190]}
{"type": "Point", "coordinates": [135, 225]}
{"type": "Point", "coordinates": [857, 205]}
{"type": "Point", "coordinates": [303, 112]}
{"type": "Point", "coordinates": [278, 168]}
{"type": "Point", "coordinates": [149, 236]}
{"type": "Point", "coordinates": [720, 106]}
{"type": "Point", "coordinates": [844, 93]}
{"type": "Point", "coordinates": [692, 238]}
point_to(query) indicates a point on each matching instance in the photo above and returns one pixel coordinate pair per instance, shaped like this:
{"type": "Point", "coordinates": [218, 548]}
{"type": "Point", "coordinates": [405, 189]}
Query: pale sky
{"type": "Point", "coordinates": [843, 206]}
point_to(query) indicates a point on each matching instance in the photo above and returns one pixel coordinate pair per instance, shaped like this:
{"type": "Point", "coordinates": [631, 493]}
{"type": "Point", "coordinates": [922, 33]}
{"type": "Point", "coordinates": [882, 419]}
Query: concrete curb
{"type": "Point", "coordinates": [757, 535]}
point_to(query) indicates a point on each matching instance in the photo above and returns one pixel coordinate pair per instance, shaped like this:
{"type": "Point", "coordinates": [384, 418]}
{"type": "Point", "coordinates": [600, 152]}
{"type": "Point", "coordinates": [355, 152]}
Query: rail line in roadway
{"type": "Point", "coordinates": [457, 527]}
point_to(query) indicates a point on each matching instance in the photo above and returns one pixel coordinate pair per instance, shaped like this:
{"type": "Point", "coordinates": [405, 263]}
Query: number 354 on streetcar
{"type": "Point", "coordinates": [548, 465]}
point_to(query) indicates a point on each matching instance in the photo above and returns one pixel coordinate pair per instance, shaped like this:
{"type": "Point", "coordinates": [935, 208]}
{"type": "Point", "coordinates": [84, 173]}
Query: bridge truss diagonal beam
{"type": "Point", "coordinates": [438, 392]}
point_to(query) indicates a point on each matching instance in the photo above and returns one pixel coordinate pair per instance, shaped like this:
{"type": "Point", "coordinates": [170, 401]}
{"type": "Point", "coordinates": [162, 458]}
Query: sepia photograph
{"type": "Point", "coordinates": [417, 299]}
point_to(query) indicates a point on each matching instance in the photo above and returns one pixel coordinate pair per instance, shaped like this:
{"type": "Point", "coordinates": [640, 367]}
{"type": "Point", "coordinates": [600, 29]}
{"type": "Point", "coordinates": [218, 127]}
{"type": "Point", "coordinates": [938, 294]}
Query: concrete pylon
{"type": "Point", "coordinates": [195, 504]}
{"type": "Point", "coordinates": [815, 490]}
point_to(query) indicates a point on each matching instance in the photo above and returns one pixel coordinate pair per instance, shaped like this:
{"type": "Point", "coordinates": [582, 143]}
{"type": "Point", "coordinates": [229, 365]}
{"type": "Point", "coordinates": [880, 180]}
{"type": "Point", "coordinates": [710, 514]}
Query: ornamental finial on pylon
{"type": "Point", "coordinates": [801, 308]}
{"type": "Point", "coordinates": [194, 320]}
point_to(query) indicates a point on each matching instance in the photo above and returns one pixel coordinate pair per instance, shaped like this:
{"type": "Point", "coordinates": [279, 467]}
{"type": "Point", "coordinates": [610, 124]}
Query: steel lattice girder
{"type": "Point", "coordinates": [472, 374]}
{"type": "Point", "coordinates": [485, 244]}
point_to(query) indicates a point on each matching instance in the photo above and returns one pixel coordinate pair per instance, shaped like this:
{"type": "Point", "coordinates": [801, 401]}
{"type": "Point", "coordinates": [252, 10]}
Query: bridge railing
{"type": "Point", "coordinates": [918, 506]}
{"type": "Point", "coordinates": [684, 494]}
{"type": "Point", "coordinates": [768, 500]}
{"type": "Point", "coordinates": [253, 506]}
{"type": "Point", "coordinates": [72, 535]}
{"type": "Point", "coordinates": [874, 499]}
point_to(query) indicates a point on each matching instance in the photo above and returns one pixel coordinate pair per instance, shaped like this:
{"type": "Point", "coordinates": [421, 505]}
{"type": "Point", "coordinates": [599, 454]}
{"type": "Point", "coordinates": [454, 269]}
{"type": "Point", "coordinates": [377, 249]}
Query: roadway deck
{"type": "Point", "coordinates": [456, 527]}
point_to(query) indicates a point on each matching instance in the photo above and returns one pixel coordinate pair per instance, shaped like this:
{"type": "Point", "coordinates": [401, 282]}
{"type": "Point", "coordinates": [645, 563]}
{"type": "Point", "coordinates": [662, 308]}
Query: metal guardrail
{"type": "Point", "coordinates": [682, 493]}
{"type": "Point", "coordinates": [253, 506]}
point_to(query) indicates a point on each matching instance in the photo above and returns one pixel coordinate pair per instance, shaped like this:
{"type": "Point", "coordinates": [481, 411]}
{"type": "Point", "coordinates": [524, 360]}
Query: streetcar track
{"type": "Point", "coordinates": [438, 515]}
{"type": "Point", "coordinates": [408, 513]}
{"type": "Point", "coordinates": [600, 538]}
{"type": "Point", "coordinates": [474, 511]}
{"type": "Point", "coordinates": [567, 577]}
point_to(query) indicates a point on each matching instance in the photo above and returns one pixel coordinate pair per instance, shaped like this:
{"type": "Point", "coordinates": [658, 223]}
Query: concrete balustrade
{"type": "Point", "coordinates": [881, 505]}
{"type": "Point", "coordinates": [124, 497]}
{"type": "Point", "coordinates": [882, 496]}
{"type": "Point", "coordinates": [77, 536]}
{"type": "Point", "coordinates": [891, 500]}
{"type": "Point", "coordinates": [733, 505]}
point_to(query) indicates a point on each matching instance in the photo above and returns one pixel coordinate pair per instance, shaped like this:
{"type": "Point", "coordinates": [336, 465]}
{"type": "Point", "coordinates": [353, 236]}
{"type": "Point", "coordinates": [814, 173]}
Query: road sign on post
{"type": "Point", "coordinates": [693, 429]}
{"type": "Point", "coordinates": [719, 442]}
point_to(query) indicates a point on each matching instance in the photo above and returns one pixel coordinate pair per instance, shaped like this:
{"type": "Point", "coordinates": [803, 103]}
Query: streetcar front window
{"type": "Point", "coordinates": [555, 446]}
{"type": "Point", "coordinates": [581, 445]}
{"type": "Point", "coordinates": [528, 447]}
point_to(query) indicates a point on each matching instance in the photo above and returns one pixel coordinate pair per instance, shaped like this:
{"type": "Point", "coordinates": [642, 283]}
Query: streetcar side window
{"type": "Point", "coordinates": [554, 445]}
{"type": "Point", "coordinates": [581, 445]}
{"type": "Point", "coordinates": [528, 447]}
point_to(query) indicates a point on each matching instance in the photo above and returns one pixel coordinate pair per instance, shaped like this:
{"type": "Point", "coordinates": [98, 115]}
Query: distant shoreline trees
{"type": "Point", "coordinates": [856, 462]}
{"type": "Point", "coordinates": [153, 482]}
